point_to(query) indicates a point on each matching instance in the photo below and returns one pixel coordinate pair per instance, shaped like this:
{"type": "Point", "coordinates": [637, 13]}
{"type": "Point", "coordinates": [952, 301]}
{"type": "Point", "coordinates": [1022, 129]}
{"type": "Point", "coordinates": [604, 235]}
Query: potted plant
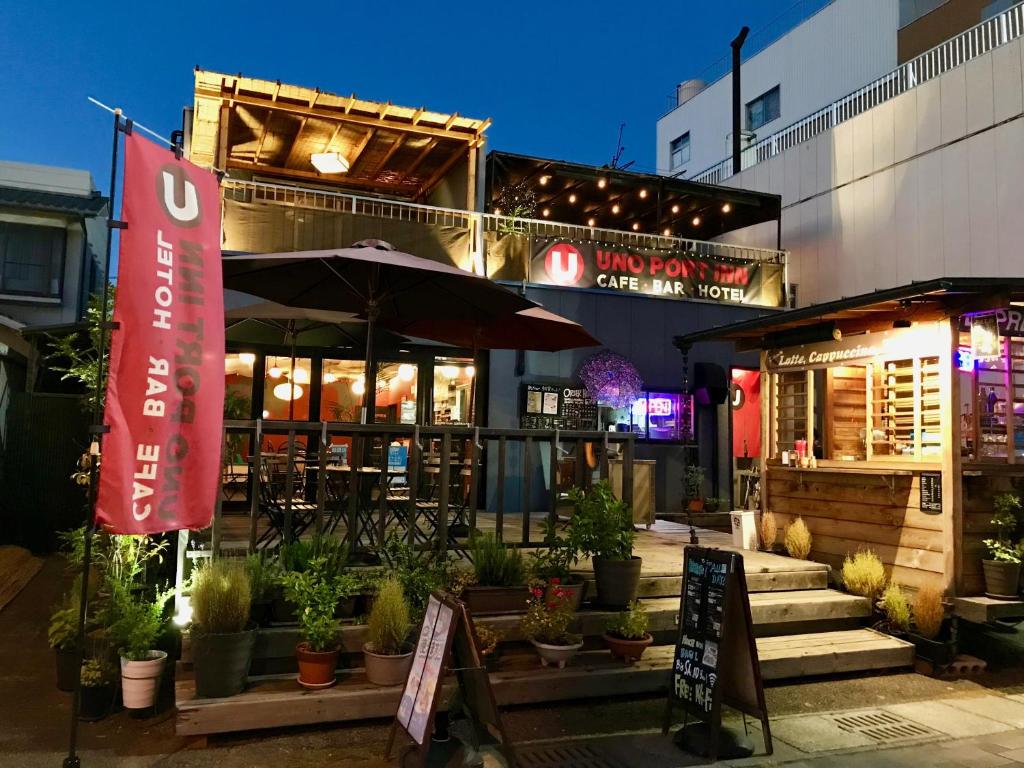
{"type": "Point", "coordinates": [315, 592]}
{"type": "Point", "coordinates": [626, 634]}
{"type": "Point", "coordinates": [931, 635]}
{"type": "Point", "coordinates": [63, 636]}
{"type": "Point", "coordinates": [546, 626]}
{"type": "Point", "coordinates": [601, 528]}
{"type": "Point", "coordinates": [863, 574]}
{"type": "Point", "coordinates": [551, 566]}
{"type": "Point", "coordinates": [136, 623]}
{"type": "Point", "coordinates": [97, 692]}
{"type": "Point", "coordinates": [222, 639]}
{"type": "Point", "coordinates": [798, 539]}
{"type": "Point", "coordinates": [769, 530]}
{"type": "Point", "coordinates": [387, 655]}
{"type": "Point", "coordinates": [487, 643]}
{"type": "Point", "coordinates": [895, 609]}
{"type": "Point", "coordinates": [1002, 568]}
{"type": "Point", "coordinates": [499, 578]}
{"type": "Point", "coordinates": [264, 576]}
{"type": "Point", "coordinates": [693, 487]}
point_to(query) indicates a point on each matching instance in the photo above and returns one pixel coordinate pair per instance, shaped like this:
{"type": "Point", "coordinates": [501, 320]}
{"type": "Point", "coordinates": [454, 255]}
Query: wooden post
{"type": "Point", "coordinates": [627, 472]}
{"type": "Point", "coordinates": [445, 490]}
{"type": "Point", "coordinates": [289, 487]}
{"type": "Point", "coordinates": [353, 494]}
{"type": "Point", "coordinates": [766, 429]}
{"type": "Point", "coordinates": [321, 479]}
{"type": "Point", "coordinates": [499, 524]}
{"type": "Point", "coordinates": [1011, 453]}
{"type": "Point", "coordinates": [524, 505]}
{"type": "Point", "coordinates": [383, 485]}
{"type": "Point", "coordinates": [809, 412]}
{"type": "Point", "coordinates": [553, 480]}
{"type": "Point", "coordinates": [414, 481]}
{"type": "Point", "coordinates": [218, 505]}
{"type": "Point", "coordinates": [474, 479]}
{"type": "Point", "coordinates": [579, 464]}
{"type": "Point", "coordinates": [254, 484]}
{"type": "Point", "coordinates": [952, 462]}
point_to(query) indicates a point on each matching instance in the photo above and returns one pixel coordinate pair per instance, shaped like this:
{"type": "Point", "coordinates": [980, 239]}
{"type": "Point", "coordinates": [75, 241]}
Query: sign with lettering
{"type": "Point", "coordinates": [663, 274]}
{"type": "Point", "coordinates": [557, 406]}
{"type": "Point", "coordinates": [931, 492]}
{"type": "Point", "coordinates": [886, 345]}
{"type": "Point", "coordinates": [715, 659]}
{"type": "Point", "coordinates": [161, 461]}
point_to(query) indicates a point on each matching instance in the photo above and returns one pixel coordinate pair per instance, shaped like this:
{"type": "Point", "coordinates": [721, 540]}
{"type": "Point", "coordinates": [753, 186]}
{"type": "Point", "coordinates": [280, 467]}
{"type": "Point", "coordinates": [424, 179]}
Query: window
{"type": "Point", "coordinates": [679, 151]}
{"type": "Point", "coordinates": [343, 386]}
{"type": "Point", "coordinates": [31, 259]}
{"type": "Point", "coordinates": [763, 109]}
{"type": "Point", "coordinates": [453, 386]}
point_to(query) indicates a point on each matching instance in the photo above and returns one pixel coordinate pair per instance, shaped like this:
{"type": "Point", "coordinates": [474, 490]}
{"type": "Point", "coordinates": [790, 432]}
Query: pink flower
{"type": "Point", "coordinates": [555, 581]}
{"type": "Point", "coordinates": [537, 592]}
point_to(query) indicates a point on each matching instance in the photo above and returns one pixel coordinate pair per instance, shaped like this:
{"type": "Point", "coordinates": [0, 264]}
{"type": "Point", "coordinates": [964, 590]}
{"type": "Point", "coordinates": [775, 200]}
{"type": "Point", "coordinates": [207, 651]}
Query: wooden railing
{"type": "Point", "coordinates": [294, 484]}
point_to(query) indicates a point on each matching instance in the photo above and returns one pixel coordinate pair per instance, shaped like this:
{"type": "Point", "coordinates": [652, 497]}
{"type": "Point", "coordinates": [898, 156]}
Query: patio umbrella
{"type": "Point", "coordinates": [376, 282]}
{"type": "Point", "coordinates": [535, 328]}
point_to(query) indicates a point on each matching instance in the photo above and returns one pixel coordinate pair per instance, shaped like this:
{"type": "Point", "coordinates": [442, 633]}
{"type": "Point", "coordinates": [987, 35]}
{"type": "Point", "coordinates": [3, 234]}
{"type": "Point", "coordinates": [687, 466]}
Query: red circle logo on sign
{"type": "Point", "coordinates": [564, 264]}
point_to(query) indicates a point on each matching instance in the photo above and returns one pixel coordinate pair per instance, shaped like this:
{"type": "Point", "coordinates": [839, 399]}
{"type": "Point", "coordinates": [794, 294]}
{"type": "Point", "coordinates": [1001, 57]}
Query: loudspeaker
{"type": "Point", "coordinates": [710, 384]}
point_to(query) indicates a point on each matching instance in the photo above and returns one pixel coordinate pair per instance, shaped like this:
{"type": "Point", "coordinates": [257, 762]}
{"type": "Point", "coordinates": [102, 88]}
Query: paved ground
{"type": "Point", "coordinates": [923, 722]}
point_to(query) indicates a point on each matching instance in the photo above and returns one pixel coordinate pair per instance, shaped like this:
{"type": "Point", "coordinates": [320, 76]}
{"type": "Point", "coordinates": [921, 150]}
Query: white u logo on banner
{"type": "Point", "coordinates": [184, 213]}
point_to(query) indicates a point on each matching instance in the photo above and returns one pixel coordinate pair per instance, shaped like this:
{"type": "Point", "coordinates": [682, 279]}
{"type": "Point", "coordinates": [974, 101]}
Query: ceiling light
{"type": "Point", "coordinates": [358, 387]}
{"type": "Point", "coordinates": [726, 208]}
{"type": "Point", "coordinates": [274, 372]}
{"type": "Point", "coordinates": [406, 372]}
{"type": "Point", "coordinates": [544, 180]}
{"type": "Point", "coordinates": [329, 162]}
{"type": "Point", "coordinates": [696, 221]}
{"type": "Point", "coordinates": [286, 391]}
{"type": "Point", "coordinates": [266, 414]}
{"type": "Point", "coordinates": [330, 378]}
{"type": "Point", "coordinates": [301, 376]}
{"type": "Point", "coordinates": [643, 193]}
{"type": "Point", "coordinates": [497, 211]}
{"type": "Point", "coordinates": [470, 371]}
{"type": "Point", "coordinates": [667, 232]}
{"type": "Point", "coordinates": [572, 198]}
{"type": "Point", "coordinates": [591, 221]}
{"type": "Point", "coordinates": [546, 212]}
{"type": "Point", "coordinates": [636, 225]}
{"type": "Point", "coordinates": [616, 208]}
{"type": "Point", "coordinates": [449, 371]}
{"type": "Point", "coordinates": [247, 358]}
{"type": "Point", "coordinates": [601, 183]}
{"type": "Point", "coordinates": [675, 209]}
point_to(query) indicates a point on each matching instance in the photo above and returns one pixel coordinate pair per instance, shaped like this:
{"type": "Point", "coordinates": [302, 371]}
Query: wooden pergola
{"type": "Point", "coordinates": [270, 128]}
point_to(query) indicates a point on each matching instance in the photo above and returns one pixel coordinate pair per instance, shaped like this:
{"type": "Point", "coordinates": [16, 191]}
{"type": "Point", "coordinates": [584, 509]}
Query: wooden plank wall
{"type": "Point", "coordinates": [846, 394]}
{"type": "Point", "coordinates": [978, 495]}
{"type": "Point", "coordinates": [847, 512]}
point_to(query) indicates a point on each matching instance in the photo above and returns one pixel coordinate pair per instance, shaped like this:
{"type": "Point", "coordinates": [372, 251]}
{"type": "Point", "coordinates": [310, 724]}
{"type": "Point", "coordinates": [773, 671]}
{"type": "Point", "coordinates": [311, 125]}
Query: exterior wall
{"type": "Point", "coordinates": [926, 185]}
{"type": "Point", "coordinates": [845, 45]}
{"type": "Point", "coordinates": [640, 329]}
{"type": "Point", "coordinates": [948, 19]}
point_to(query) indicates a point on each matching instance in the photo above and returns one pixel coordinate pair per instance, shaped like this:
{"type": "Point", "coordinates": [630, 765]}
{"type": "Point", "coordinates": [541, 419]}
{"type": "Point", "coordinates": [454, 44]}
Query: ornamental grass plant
{"type": "Point", "coordinates": [798, 539]}
{"type": "Point", "coordinates": [496, 565]}
{"type": "Point", "coordinates": [769, 530]}
{"type": "Point", "coordinates": [896, 608]}
{"type": "Point", "coordinates": [221, 597]}
{"type": "Point", "coordinates": [864, 575]}
{"type": "Point", "coordinates": [929, 612]}
{"type": "Point", "coordinates": [389, 624]}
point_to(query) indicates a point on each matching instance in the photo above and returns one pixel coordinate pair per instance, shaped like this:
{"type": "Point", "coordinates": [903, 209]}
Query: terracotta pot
{"type": "Point", "coordinates": [1002, 580]}
{"type": "Point", "coordinates": [557, 655]}
{"type": "Point", "coordinates": [488, 601]}
{"type": "Point", "coordinates": [575, 597]}
{"type": "Point", "coordinates": [316, 668]}
{"type": "Point", "coordinates": [221, 663]}
{"type": "Point", "coordinates": [140, 680]}
{"type": "Point", "coordinates": [67, 668]}
{"type": "Point", "coordinates": [618, 581]}
{"type": "Point", "coordinates": [629, 651]}
{"type": "Point", "coordinates": [382, 669]}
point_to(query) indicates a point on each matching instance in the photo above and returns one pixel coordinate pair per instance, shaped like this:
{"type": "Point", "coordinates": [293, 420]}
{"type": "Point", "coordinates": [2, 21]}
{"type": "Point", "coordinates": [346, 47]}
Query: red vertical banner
{"type": "Point", "coordinates": [746, 413]}
{"type": "Point", "coordinates": [161, 460]}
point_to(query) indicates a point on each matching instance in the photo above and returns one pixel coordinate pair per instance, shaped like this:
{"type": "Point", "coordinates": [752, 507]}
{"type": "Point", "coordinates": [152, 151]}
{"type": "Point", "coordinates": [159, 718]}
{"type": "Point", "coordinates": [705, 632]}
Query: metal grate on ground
{"type": "Point", "coordinates": [884, 727]}
{"type": "Point", "coordinates": [576, 756]}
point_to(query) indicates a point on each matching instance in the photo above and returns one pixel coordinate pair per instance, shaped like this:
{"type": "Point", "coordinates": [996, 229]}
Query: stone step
{"type": "Point", "coordinates": [671, 585]}
{"type": "Point", "coordinates": [278, 701]}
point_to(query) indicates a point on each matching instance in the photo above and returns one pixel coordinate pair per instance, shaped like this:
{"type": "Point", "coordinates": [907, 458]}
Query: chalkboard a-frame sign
{"type": "Point", "coordinates": [447, 643]}
{"type": "Point", "coordinates": [715, 658]}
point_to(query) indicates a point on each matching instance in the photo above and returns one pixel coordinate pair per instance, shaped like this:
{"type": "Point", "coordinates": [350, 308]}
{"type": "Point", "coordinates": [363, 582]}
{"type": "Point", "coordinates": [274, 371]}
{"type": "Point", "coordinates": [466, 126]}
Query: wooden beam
{"type": "Point", "coordinates": [952, 463]}
{"type": "Point", "coordinates": [221, 155]}
{"type": "Point", "coordinates": [451, 121]}
{"type": "Point", "coordinates": [427, 148]}
{"type": "Point", "coordinates": [343, 180]}
{"type": "Point", "coordinates": [263, 135]}
{"type": "Point", "coordinates": [384, 109]}
{"type": "Point", "coordinates": [334, 135]}
{"type": "Point", "coordinates": [440, 172]}
{"type": "Point", "coordinates": [293, 153]}
{"type": "Point", "coordinates": [395, 146]}
{"type": "Point", "coordinates": [360, 148]}
{"type": "Point", "coordinates": [342, 114]}
{"type": "Point", "coordinates": [417, 115]}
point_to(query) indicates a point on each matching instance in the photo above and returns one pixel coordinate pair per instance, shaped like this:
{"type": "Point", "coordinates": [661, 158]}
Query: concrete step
{"type": "Point", "coordinates": [278, 701]}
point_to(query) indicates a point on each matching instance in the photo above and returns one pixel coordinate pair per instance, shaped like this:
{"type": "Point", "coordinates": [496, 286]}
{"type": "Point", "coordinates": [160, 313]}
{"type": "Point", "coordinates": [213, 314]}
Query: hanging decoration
{"type": "Point", "coordinates": [611, 379]}
{"type": "Point", "coordinates": [515, 202]}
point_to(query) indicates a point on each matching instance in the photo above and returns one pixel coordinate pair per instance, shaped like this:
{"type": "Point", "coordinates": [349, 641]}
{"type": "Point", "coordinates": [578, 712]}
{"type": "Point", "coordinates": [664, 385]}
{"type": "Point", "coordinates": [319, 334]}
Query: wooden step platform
{"type": "Point", "coordinates": [277, 701]}
{"type": "Point", "coordinates": [982, 610]}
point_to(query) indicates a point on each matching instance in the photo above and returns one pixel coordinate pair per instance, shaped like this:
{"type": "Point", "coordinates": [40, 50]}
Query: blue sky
{"type": "Point", "coordinates": [557, 78]}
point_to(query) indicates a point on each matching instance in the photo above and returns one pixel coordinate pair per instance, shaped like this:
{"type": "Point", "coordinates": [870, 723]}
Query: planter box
{"type": "Point", "coordinates": [489, 601]}
{"type": "Point", "coordinates": [940, 652]}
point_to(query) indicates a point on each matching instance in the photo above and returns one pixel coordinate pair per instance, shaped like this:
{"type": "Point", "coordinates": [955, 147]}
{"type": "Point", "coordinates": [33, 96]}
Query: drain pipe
{"type": "Point", "coordinates": [737, 45]}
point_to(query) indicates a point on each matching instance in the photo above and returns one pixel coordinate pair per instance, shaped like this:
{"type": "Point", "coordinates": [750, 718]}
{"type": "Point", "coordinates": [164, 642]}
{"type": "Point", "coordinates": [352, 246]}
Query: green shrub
{"type": "Point", "coordinates": [896, 608]}
{"type": "Point", "coordinates": [96, 672]}
{"type": "Point", "coordinates": [296, 556]}
{"type": "Point", "coordinates": [63, 629]}
{"type": "Point", "coordinates": [556, 559]}
{"type": "Point", "coordinates": [1006, 518]}
{"type": "Point", "coordinates": [420, 573]}
{"type": "Point", "coordinates": [315, 592]}
{"type": "Point", "coordinates": [135, 622]}
{"type": "Point", "coordinates": [221, 597]}
{"type": "Point", "coordinates": [601, 525]}
{"type": "Point", "coordinates": [630, 624]}
{"type": "Point", "coordinates": [863, 574]}
{"type": "Point", "coordinates": [389, 625]}
{"type": "Point", "coordinates": [496, 565]}
{"type": "Point", "coordinates": [264, 572]}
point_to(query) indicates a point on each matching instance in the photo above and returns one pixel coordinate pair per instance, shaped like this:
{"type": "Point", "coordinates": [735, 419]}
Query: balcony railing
{"type": "Point", "coordinates": [465, 238]}
{"type": "Point", "coordinates": [976, 41]}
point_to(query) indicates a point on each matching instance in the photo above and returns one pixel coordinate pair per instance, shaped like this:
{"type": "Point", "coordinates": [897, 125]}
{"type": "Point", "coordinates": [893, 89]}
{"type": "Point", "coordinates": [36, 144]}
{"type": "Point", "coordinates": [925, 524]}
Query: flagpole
{"type": "Point", "coordinates": [97, 429]}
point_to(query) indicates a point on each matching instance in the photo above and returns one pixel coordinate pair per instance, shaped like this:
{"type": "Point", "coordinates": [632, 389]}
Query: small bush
{"type": "Point", "coordinates": [769, 530]}
{"type": "Point", "coordinates": [630, 624]}
{"type": "Point", "coordinates": [863, 574]}
{"type": "Point", "coordinates": [496, 565]}
{"type": "Point", "coordinates": [798, 539]}
{"type": "Point", "coordinates": [896, 608]}
{"type": "Point", "coordinates": [929, 612]}
{"type": "Point", "coordinates": [264, 573]}
{"type": "Point", "coordinates": [389, 624]}
{"type": "Point", "coordinates": [221, 596]}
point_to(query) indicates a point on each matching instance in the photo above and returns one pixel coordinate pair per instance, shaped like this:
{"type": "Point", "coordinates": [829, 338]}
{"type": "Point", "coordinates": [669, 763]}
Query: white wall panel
{"type": "Point", "coordinates": [882, 136]}
{"type": "Point", "coordinates": [1009, 151]}
{"type": "Point", "coordinates": [956, 227]}
{"type": "Point", "coordinates": [791, 178]}
{"type": "Point", "coordinates": [905, 223]}
{"type": "Point", "coordinates": [927, 121]}
{"type": "Point", "coordinates": [981, 171]}
{"type": "Point", "coordinates": [883, 220]}
{"type": "Point", "coordinates": [1006, 79]}
{"type": "Point", "coordinates": [862, 142]}
{"type": "Point", "coordinates": [980, 106]}
{"type": "Point", "coordinates": [904, 113]}
{"type": "Point", "coordinates": [953, 105]}
{"type": "Point", "coordinates": [808, 152]}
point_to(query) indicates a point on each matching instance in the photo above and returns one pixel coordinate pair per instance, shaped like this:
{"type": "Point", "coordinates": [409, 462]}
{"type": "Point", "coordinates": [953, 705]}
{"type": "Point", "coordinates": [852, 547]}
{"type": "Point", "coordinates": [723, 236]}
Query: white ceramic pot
{"type": "Point", "coordinates": [556, 655]}
{"type": "Point", "coordinates": [140, 680]}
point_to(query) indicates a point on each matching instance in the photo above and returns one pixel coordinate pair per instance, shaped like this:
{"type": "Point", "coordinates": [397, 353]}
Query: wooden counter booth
{"type": "Point", "coordinates": [911, 402]}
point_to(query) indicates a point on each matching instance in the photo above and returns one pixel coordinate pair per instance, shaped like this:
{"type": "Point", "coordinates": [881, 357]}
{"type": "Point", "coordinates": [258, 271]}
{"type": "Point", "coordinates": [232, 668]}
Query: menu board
{"type": "Point", "coordinates": [715, 658]}
{"type": "Point", "coordinates": [931, 492]}
{"type": "Point", "coordinates": [556, 406]}
{"type": "Point", "coordinates": [414, 710]}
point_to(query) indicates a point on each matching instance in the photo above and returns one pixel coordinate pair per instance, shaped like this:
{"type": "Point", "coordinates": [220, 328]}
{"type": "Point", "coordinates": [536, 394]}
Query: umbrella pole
{"type": "Point", "coordinates": [291, 382]}
{"type": "Point", "coordinates": [369, 377]}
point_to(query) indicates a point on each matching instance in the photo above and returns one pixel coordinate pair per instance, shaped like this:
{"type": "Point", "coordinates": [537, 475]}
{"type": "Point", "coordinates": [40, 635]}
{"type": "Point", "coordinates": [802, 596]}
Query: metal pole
{"type": "Point", "coordinates": [737, 46]}
{"type": "Point", "coordinates": [72, 760]}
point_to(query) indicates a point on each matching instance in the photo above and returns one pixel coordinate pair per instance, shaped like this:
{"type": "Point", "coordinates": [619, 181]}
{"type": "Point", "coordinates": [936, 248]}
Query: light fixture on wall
{"type": "Point", "coordinates": [406, 372]}
{"type": "Point", "coordinates": [329, 162]}
{"type": "Point", "coordinates": [266, 414]}
{"type": "Point", "coordinates": [247, 358]}
{"type": "Point", "coordinates": [591, 221]}
{"type": "Point", "coordinates": [449, 371]}
{"type": "Point", "coordinates": [301, 376]}
{"type": "Point", "coordinates": [643, 194]}
{"type": "Point", "coordinates": [470, 371]}
{"type": "Point", "coordinates": [286, 391]}
{"type": "Point", "coordinates": [544, 180]}
{"type": "Point", "coordinates": [726, 207]}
